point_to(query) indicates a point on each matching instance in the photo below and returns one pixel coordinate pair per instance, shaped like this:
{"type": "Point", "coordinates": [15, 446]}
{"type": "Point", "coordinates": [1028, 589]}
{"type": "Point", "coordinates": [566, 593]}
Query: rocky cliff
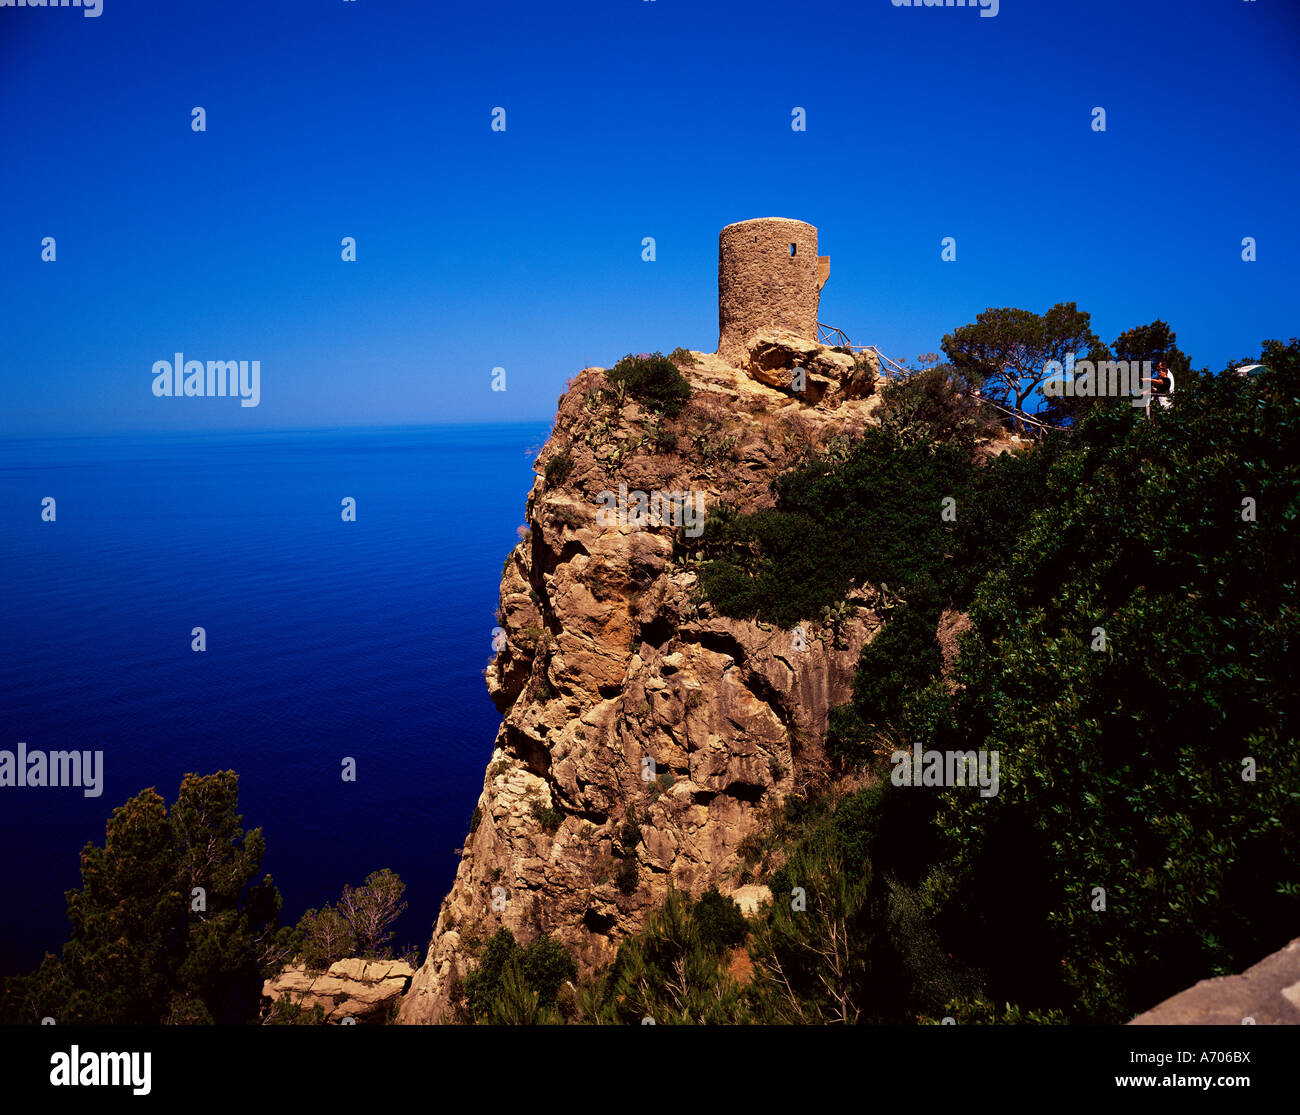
{"type": "Point", "coordinates": [644, 736]}
{"type": "Point", "coordinates": [353, 989]}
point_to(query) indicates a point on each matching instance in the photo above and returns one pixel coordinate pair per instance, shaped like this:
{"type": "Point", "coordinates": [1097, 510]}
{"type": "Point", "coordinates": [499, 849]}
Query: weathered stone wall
{"type": "Point", "coordinates": [761, 285]}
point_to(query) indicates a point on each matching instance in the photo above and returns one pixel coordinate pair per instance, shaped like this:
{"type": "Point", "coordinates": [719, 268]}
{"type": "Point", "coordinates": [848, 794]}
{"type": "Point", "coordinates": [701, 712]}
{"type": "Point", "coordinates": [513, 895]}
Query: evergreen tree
{"type": "Point", "coordinates": [168, 925]}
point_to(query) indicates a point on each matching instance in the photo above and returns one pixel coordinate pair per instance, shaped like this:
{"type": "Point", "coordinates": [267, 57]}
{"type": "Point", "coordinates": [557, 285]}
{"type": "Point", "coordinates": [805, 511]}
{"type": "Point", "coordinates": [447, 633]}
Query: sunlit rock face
{"type": "Point", "coordinates": [623, 696]}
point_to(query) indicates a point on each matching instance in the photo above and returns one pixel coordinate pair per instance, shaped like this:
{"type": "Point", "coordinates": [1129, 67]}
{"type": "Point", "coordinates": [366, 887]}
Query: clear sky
{"type": "Point", "coordinates": [624, 119]}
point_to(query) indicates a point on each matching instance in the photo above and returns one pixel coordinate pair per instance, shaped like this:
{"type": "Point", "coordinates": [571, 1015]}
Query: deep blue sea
{"type": "Point", "coordinates": [325, 639]}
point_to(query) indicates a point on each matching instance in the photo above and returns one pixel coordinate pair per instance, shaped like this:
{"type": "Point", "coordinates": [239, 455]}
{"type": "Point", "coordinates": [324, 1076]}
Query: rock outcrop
{"type": "Point", "coordinates": [644, 737]}
{"type": "Point", "coordinates": [1267, 994]}
{"type": "Point", "coordinates": [364, 991]}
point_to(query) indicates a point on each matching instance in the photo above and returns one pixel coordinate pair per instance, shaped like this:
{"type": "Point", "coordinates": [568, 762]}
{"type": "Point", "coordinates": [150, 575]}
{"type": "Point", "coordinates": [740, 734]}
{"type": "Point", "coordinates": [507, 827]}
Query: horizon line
{"type": "Point", "coordinates": [10, 435]}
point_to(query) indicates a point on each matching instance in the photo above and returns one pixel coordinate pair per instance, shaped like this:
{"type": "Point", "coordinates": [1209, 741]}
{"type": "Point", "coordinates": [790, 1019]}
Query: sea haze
{"type": "Point", "coordinates": [325, 639]}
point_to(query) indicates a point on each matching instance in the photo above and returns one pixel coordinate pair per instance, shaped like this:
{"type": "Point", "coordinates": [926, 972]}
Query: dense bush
{"type": "Point", "coordinates": [325, 937]}
{"type": "Point", "coordinates": [653, 380]}
{"type": "Point", "coordinates": [546, 967]}
{"type": "Point", "coordinates": [668, 972]}
{"type": "Point", "coordinates": [874, 517]}
{"type": "Point", "coordinates": [483, 984]}
{"type": "Point", "coordinates": [516, 986]}
{"type": "Point", "coordinates": [935, 405]}
{"type": "Point", "coordinates": [1132, 591]}
{"type": "Point", "coordinates": [1122, 761]}
{"type": "Point", "coordinates": [718, 921]}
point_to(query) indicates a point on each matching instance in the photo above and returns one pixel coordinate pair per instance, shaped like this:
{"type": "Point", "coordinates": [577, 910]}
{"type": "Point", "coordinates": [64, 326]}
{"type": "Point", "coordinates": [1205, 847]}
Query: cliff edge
{"type": "Point", "coordinates": [644, 737]}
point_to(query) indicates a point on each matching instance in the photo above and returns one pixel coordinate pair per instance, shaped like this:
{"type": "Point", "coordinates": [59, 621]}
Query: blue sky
{"type": "Point", "coordinates": [625, 119]}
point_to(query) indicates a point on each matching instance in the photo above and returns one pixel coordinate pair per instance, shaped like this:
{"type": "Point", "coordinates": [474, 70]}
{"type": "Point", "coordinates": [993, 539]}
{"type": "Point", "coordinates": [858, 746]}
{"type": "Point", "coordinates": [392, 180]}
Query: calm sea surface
{"type": "Point", "coordinates": [325, 639]}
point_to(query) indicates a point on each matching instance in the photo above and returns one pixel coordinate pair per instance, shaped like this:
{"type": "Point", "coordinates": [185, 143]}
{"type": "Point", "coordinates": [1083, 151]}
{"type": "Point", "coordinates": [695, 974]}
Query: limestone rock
{"type": "Point", "coordinates": [772, 356]}
{"type": "Point", "coordinates": [751, 898]}
{"type": "Point", "coordinates": [352, 988]}
{"type": "Point", "coordinates": [623, 696]}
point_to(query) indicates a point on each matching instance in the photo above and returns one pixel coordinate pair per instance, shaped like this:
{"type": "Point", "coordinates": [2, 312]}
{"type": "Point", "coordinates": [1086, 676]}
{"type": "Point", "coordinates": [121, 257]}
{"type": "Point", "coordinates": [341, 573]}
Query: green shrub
{"type": "Point", "coordinates": [546, 966]}
{"type": "Point", "coordinates": [666, 972]}
{"type": "Point", "coordinates": [872, 516]}
{"type": "Point", "coordinates": [653, 380]}
{"type": "Point", "coordinates": [514, 986]}
{"type": "Point", "coordinates": [550, 818]}
{"type": "Point", "coordinates": [718, 921]}
{"type": "Point", "coordinates": [483, 984]}
{"type": "Point", "coordinates": [935, 405]}
{"type": "Point", "coordinates": [897, 663]}
{"type": "Point", "coordinates": [558, 469]}
{"type": "Point", "coordinates": [286, 1012]}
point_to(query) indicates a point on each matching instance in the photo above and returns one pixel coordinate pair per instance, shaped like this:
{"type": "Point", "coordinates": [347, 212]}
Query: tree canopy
{"type": "Point", "coordinates": [168, 925]}
{"type": "Point", "coordinates": [1007, 350]}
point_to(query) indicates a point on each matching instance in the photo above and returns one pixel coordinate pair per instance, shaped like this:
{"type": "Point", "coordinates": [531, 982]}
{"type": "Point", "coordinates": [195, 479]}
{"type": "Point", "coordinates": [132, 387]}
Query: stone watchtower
{"type": "Point", "coordinates": [769, 277]}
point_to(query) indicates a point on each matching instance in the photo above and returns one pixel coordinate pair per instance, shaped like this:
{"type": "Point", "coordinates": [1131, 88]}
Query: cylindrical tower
{"type": "Point", "coordinates": [769, 277]}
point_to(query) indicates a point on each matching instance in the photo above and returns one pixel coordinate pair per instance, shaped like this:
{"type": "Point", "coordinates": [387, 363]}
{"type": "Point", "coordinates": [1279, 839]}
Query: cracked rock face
{"type": "Point", "coordinates": [644, 737]}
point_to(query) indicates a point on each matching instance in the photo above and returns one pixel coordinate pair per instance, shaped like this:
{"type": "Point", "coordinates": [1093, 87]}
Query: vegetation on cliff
{"type": "Point", "coordinates": [653, 380]}
{"type": "Point", "coordinates": [1128, 594]}
{"type": "Point", "coordinates": [518, 986]}
{"type": "Point", "coordinates": [1131, 588]}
